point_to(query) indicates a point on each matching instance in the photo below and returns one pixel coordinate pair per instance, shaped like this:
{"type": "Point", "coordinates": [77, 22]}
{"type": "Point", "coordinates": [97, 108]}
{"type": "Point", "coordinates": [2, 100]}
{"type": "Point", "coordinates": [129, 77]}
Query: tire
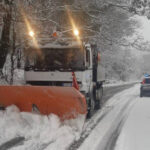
{"type": "Point", "coordinates": [88, 101]}
{"type": "Point", "coordinates": [91, 106]}
{"type": "Point", "coordinates": [99, 95]}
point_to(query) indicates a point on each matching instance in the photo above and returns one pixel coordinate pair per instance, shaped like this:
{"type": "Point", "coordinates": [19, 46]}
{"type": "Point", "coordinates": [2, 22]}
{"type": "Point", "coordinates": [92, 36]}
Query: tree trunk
{"type": "Point", "coordinates": [5, 39]}
{"type": "Point", "coordinates": [12, 55]}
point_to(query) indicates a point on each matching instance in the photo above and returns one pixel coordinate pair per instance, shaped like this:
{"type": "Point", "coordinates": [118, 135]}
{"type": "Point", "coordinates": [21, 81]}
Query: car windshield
{"type": "Point", "coordinates": [61, 59]}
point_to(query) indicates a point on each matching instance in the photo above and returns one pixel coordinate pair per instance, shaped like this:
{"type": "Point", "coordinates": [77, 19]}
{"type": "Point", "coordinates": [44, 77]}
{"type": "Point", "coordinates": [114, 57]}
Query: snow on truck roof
{"type": "Point", "coordinates": [56, 44]}
{"type": "Point", "coordinates": [60, 46]}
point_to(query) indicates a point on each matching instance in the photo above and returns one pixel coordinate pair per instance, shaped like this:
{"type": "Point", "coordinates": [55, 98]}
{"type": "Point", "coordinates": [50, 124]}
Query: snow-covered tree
{"type": "Point", "coordinates": [105, 22]}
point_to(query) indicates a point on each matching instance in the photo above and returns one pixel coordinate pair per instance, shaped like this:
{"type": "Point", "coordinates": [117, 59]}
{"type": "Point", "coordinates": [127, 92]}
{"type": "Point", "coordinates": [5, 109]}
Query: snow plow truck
{"type": "Point", "coordinates": [63, 77]}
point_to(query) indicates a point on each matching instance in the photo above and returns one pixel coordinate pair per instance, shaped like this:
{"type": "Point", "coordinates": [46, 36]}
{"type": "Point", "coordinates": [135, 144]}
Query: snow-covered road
{"type": "Point", "coordinates": [126, 125]}
{"type": "Point", "coordinates": [105, 134]}
{"type": "Point", "coordinates": [135, 134]}
{"type": "Point", "coordinates": [122, 124]}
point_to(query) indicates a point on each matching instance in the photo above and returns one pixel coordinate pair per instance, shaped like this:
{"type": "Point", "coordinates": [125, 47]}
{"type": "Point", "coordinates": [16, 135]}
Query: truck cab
{"type": "Point", "coordinates": [52, 64]}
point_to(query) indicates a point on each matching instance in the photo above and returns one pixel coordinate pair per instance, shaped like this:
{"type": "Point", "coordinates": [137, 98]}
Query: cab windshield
{"type": "Point", "coordinates": [57, 59]}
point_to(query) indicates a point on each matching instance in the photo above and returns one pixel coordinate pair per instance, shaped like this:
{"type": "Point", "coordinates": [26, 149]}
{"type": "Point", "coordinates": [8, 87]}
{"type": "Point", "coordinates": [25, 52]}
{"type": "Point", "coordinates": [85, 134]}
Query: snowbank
{"type": "Point", "coordinates": [112, 83]}
{"type": "Point", "coordinates": [40, 132]}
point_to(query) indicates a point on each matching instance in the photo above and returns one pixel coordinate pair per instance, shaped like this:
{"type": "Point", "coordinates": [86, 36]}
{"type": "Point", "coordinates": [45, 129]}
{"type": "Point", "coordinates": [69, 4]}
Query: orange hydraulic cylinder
{"type": "Point", "coordinates": [66, 102]}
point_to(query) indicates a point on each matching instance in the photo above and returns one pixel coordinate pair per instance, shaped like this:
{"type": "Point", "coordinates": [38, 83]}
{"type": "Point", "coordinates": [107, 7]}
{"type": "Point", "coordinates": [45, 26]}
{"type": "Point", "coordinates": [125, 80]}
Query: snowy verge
{"type": "Point", "coordinates": [111, 84]}
{"type": "Point", "coordinates": [40, 132]}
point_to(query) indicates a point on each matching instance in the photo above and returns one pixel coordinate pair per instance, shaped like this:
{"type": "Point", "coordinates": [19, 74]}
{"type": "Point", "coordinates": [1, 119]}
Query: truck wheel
{"type": "Point", "coordinates": [91, 107]}
{"type": "Point", "coordinates": [99, 95]}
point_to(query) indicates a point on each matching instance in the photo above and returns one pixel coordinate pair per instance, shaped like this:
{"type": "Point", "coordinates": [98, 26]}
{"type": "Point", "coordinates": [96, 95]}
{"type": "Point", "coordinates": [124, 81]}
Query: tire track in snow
{"type": "Point", "coordinates": [88, 130]}
{"type": "Point", "coordinates": [12, 143]}
{"type": "Point", "coordinates": [111, 137]}
{"type": "Point", "coordinates": [91, 123]}
{"type": "Point", "coordinates": [86, 133]}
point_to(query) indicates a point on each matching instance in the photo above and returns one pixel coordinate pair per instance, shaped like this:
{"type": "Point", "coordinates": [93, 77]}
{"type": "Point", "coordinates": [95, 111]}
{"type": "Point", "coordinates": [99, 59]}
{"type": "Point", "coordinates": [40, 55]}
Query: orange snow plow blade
{"type": "Point", "coordinates": [66, 102]}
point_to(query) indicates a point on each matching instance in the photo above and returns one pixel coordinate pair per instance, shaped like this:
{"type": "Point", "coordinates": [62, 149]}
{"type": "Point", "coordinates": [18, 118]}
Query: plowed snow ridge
{"type": "Point", "coordinates": [40, 132]}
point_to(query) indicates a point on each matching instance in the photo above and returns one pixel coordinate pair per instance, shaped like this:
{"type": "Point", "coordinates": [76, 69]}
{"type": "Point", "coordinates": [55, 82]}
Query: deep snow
{"type": "Point", "coordinates": [40, 132]}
